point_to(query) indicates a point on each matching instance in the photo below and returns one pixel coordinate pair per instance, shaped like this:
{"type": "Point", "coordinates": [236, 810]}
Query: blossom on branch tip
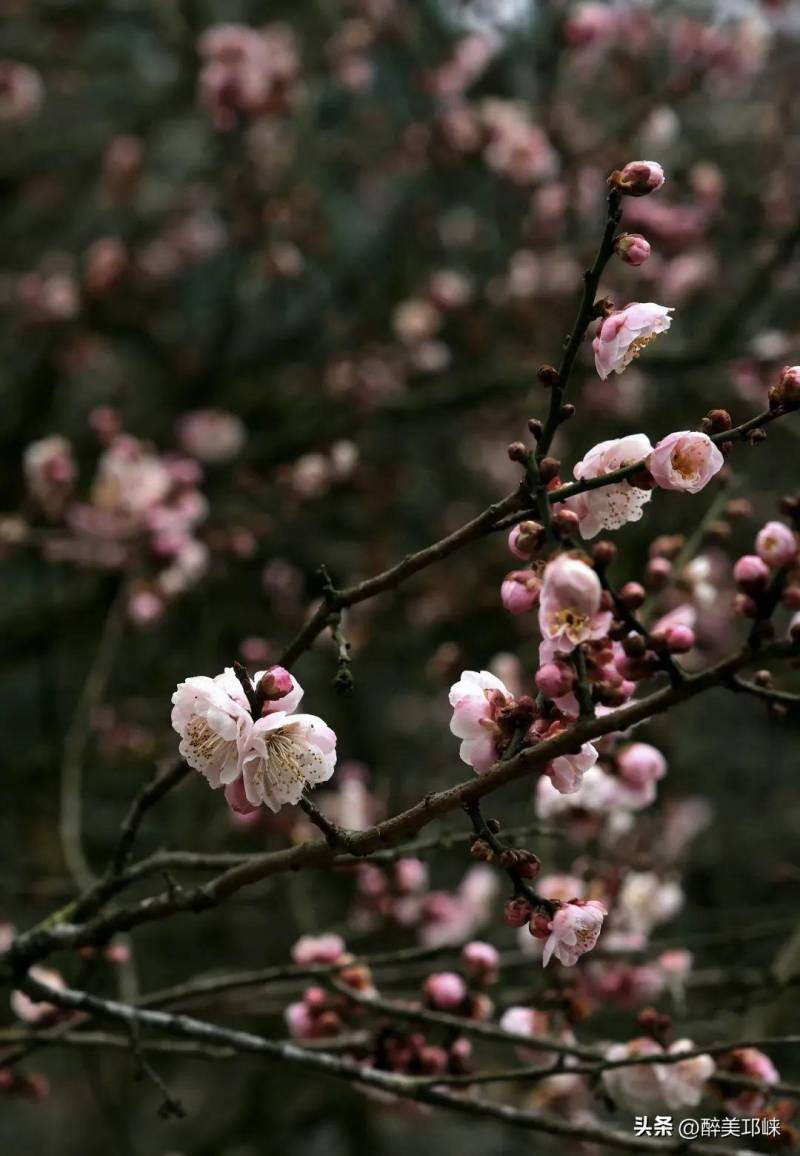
{"type": "Point", "coordinates": [612, 506]}
{"type": "Point", "coordinates": [625, 333]}
{"type": "Point", "coordinates": [283, 754]}
{"type": "Point", "coordinates": [574, 930]}
{"type": "Point", "coordinates": [570, 607]}
{"type": "Point", "coordinates": [638, 178]}
{"type": "Point", "coordinates": [685, 460]}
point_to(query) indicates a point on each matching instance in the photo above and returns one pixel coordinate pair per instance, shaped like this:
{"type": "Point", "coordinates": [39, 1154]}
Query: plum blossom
{"type": "Point", "coordinates": [211, 435]}
{"type": "Point", "coordinates": [476, 699]}
{"type": "Point", "coordinates": [445, 990]}
{"type": "Point", "coordinates": [611, 506]}
{"type": "Point", "coordinates": [284, 753]}
{"type": "Point", "coordinates": [520, 590]}
{"type": "Point", "coordinates": [212, 718]}
{"type": "Point", "coordinates": [32, 1011]}
{"type": "Point", "coordinates": [570, 606]}
{"type": "Point", "coordinates": [625, 333]}
{"type": "Point", "coordinates": [776, 544]}
{"type": "Point", "coordinates": [638, 178]}
{"type": "Point", "coordinates": [685, 461]}
{"type": "Point", "coordinates": [574, 930]}
{"type": "Point", "coordinates": [683, 1082]}
{"type": "Point", "coordinates": [640, 764]}
{"type": "Point", "coordinates": [567, 771]}
{"type": "Point", "coordinates": [312, 949]}
{"type": "Point", "coordinates": [644, 901]}
{"type": "Point", "coordinates": [753, 1064]}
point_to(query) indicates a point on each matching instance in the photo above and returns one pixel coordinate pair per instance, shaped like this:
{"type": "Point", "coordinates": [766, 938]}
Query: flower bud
{"type": "Point", "coordinates": [555, 679]}
{"type": "Point", "coordinates": [632, 595]}
{"type": "Point", "coordinates": [566, 523]}
{"type": "Point", "coordinates": [539, 926]}
{"type": "Point", "coordinates": [632, 248]}
{"type": "Point", "coordinates": [791, 598]}
{"type": "Point", "coordinates": [519, 591]}
{"type": "Point", "coordinates": [481, 961]}
{"type": "Point", "coordinates": [716, 421]}
{"type": "Point", "coordinates": [518, 452]}
{"type": "Point", "coordinates": [638, 178]}
{"type": "Point", "coordinates": [776, 544]}
{"type": "Point", "coordinates": [604, 553]}
{"type": "Point", "coordinates": [526, 539]}
{"type": "Point", "coordinates": [445, 990]}
{"type": "Point", "coordinates": [480, 850]}
{"type": "Point", "coordinates": [680, 639]}
{"type": "Point", "coordinates": [274, 683]}
{"type": "Point", "coordinates": [751, 573]}
{"type": "Point", "coordinates": [548, 469]}
{"type": "Point", "coordinates": [787, 391]}
{"type": "Point", "coordinates": [548, 375]}
{"type": "Point", "coordinates": [517, 912]}
{"type": "Point", "coordinates": [658, 572]}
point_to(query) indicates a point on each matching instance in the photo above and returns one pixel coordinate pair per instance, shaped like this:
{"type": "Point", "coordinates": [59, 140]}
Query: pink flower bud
{"type": "Point", "coordinates": [555, 679]}
{"type": "Point", "coordinates": [751, 573]}
{"type": "Point", "coordinates": [274, 683]}
{"type": "Point", "coordinates": [237, 799]}
{"type": "Point", "coordinates": [445, 990]}
{"type": "Point", "coordinates": [525, 540]}
{"type": "Point", "coordinates": [480, 960]}
{"type": "Point", "coordinates": [539, 927]}
{"type": "Point", "coordinates": [658, 572]}
{"type": "Point", "coordinates": [633, 248]}
{"type": "Point", "coordinates": [776, 544]}
{"type": "Point", "coordinates": [638, 178]}
{"type": "Point", "coordinates": [640, 764]}
{"type": "Point", "coordinates": [520, 590]}
{"type": "Point", "coordinates": [680, 639]}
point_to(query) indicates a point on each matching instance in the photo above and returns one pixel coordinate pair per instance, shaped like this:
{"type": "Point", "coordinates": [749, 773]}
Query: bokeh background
{"type": "Point", "coordinates": [358, 241]}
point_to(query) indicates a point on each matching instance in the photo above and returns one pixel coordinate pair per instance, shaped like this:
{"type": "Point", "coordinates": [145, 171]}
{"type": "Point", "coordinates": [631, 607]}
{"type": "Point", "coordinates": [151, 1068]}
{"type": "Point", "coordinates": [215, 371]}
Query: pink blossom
{"type": "Point", "coordinates": [212, 719]}
{"type": "Point", "coordinates": [21, 91]}
{"type": "Point", "coordinates": [645, 901]}
{"type": "Point", "coordinates": [639, 178]}
{"type": "Point", "coordinates": [625, 333]}
{"type": "Point", "coordinates": [685, 461]}
{"type": "Point", "coordinates": [570, 606]}
{"type": "Point", "coordinates": [683, 1083]}
{"type": "Point", "coordinates": [279, 689]}
{"type": "Point", "coordinates": [130, 479]}
{"type": "Point", "coordinates": [284, 753]}
{"type": "Point", "coordinates": [640, 764]}
{"type": "Point", "coordinates": [574, 930]}
{"type": "Point", "coordinates": [476, 699]}
{"type": "Point", "coordinates": [639, 1085]}
{"type": "Point", "coordinates": [211, 435]}
{"type": "Point", "coordinates": [555, 679]}
{"type": "Point", "coordinates": [751, 573]}
{"type": "Point", "coordinates": [410, 875]}
{"type": "Point", "coordinates": [313, 949]}
{"type": "Point", "coordinates": [633, 248]}
{"type": "Point", "coordinates": [31, 1011]}
{"type": "Point", "coordinates": [776, 544]}
{"type": "Point", "coordinates": [611, 506]}
{"type": "Point", "coordinates": [525, 539]}
{"type": "Point", "coordinates": [445, 990]}
{"type": "Point", "coordinates": [236, 799]}
{"type": "Point", "coordinates": [520, 590]}
{"type": "Point", "coordinates": [244, 68]}
{"type": "Point", "coordinates": [566, 772]}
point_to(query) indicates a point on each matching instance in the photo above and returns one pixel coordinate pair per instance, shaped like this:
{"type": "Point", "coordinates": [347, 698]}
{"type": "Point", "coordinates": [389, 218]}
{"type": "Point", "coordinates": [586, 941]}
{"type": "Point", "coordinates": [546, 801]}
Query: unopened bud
{"type": "Point", "coordinates": [548, 469]}
{"type": "Point", "coordinates": [637, 178]}
{"type": "Point", "coordinates": [632, 595]}
{"type": "Point", "coordinates": [548, 375]}
{"type": "Point", "coordinates": [518, 452]}
{"type": "Point", "coordinates": [517, 912]}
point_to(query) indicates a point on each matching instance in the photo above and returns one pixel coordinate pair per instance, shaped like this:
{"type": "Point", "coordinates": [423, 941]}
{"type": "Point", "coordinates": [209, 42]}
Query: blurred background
{"type": "Point", "coordinates": [305, 260]}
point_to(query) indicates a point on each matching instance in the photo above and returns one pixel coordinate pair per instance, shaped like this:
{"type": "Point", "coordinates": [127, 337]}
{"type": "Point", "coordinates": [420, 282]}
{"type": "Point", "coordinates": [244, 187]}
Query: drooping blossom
{"type": "Point", "coordinates": [213, 720]}
{"type": "Point", "coordinates": [284, 753]}
{"type": "Point", "coordinates": [685, 460]}
{"type": "Point", "coordinates": [574, 930]}
{"type": "Point", "coordinates": [570, 606]}
{"type": "Point", "coordinates": [625, 333]}
{"type": "Point", "coordinates": [476, 699]}
{"type": "Point", "coordinates": [610, 507]}
{"type": "Point", "coordinates": [312, 949]}
{"type": "Point", "coordinates": [776, 544]}
{"type": "Point", "coordinates": [567, 771]}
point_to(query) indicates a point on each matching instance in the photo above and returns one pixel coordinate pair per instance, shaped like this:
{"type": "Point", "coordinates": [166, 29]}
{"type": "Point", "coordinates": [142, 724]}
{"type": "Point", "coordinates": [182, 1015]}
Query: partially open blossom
{"type": "Point", "coordinates": [526, 539]}
{"type": "Point", "coordinates": [570, 606]}
{"type": "Point", "coordinates": [776, 544]}
{"type": "Point", "coordinates": [574, 930]}
{"type": "Point", "coordinates": [567, 771]}
{"type": "Point", "coordinates": [212, 719]}
{"type": "Point", "coordinates": [611, 506]}
{"type": "Point", "coordinates": [685, 461]}
{"type": "Point", "coordinates": [476, 698]}
{"type": "Point", "coordinates": [625, 333]}
{"type": "Point", "coordinates": [284, 753]}
{"type": "Point", "coordinates": [638, 178]}
{"type": "Point", "coordinates": [632, 248]}
{"type": "Point", "coordinates": [520, 590]}
{"type": "Point", "coordinates": [311, 949]}
{"type": "Point", "coordinates": [445, 990]}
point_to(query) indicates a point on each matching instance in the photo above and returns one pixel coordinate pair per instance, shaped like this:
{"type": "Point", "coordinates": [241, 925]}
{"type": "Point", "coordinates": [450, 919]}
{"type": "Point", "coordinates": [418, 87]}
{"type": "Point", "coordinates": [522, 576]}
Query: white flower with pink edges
{"type": "Point", "coordinates": [611, 506]}
{"type": "Point", "coordinates": [625, 333]}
